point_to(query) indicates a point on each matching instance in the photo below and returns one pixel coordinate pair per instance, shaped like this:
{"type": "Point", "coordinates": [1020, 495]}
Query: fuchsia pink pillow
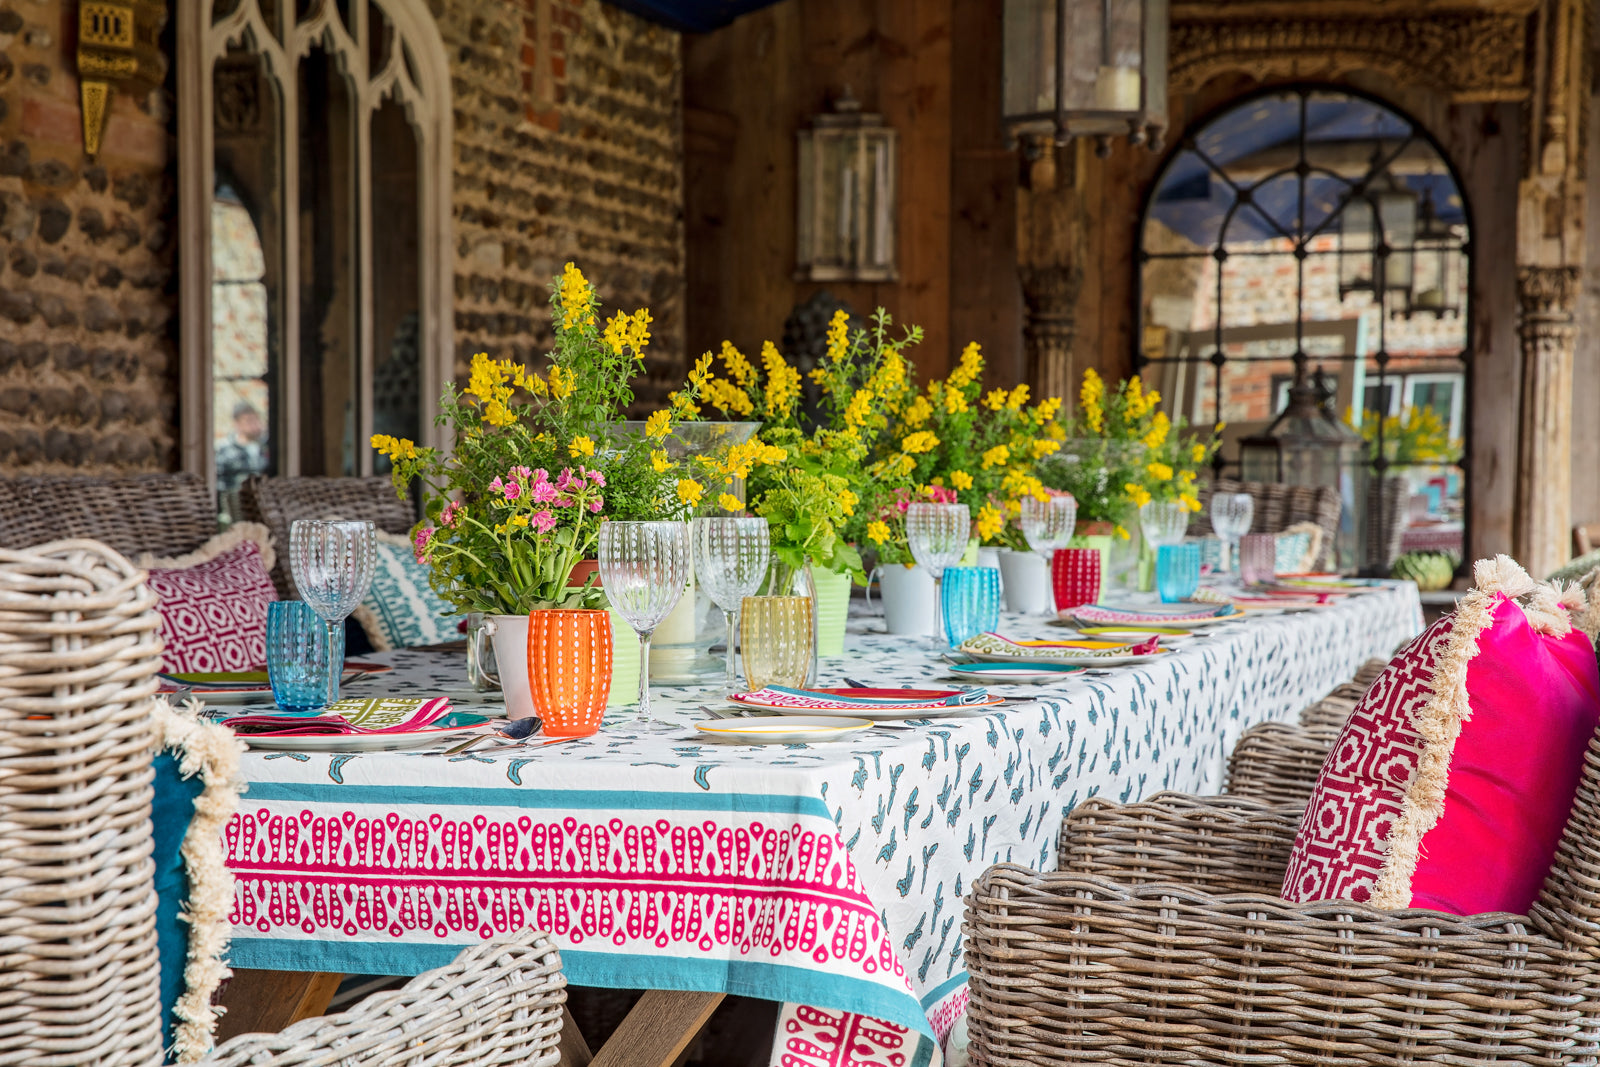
{"type": "Point", "coordinates": [213, 602]}
{"type": "Point", "coordinates": [1453, 778]}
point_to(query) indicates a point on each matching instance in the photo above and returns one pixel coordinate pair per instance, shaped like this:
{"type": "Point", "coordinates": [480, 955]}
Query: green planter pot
{"type": "Point", "coordinates": [833, 605]}
{"type": "Point", "coordinates": [624, 662]}
{"type": "Point", "coordinates": [1101, 542]}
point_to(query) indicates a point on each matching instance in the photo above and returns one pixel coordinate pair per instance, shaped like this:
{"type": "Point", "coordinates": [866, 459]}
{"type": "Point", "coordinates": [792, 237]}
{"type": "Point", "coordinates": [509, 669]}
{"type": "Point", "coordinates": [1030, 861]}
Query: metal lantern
{"type": "Point", "coordinates": [1379, 259]}
{"type": "Point", "coordinates": [1086, 68]}
{"type": "Point", "coordinates": [119, 46]}
{"type": "Point", "coordinates": [1305, 445]}
{"type": "Point", "coordinates": [847, 197]}
{"type": "Point", "coordinates": [1437, 270]}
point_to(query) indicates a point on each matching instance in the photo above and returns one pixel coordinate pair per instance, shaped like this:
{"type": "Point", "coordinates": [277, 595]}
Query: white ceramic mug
{"type": "Point", "coordinates": [510, 636]}
{"type": "Point", "coordinates": [907, 594]}
{"type": "Point", "coordinates": [1025, 579]}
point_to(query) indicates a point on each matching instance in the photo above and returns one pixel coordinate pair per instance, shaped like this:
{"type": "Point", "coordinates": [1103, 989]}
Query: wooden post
{"type": "Point", "coordinates": [1051, 250]}
{"type": "Point", "coordinates": [1051, 327]}
{"type": "Point", "coordinates": [1547, 299]}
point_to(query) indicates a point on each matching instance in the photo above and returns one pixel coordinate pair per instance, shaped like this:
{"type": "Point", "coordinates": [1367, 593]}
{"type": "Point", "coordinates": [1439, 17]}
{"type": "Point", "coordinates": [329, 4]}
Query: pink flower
{"type": "Point", "coordinates": [596, 504]}
{"type": "Point", "coordinates": [543, 521]}
{"type": "Point", "coordinates": [902, 505]}
{"type": "Point", "coordinates": [447, 517]}
{"type": "Point", "coordinates": [597, 478]}
{"type": "Point", "coordinates": [566, 480]}
{"type": "Point", "coordinates": [497, 485]}
{"type": "Point", "coordinates": [521, 473]}
{"type": "Point", "coordinates": [543, 492]}
{"type": "Point", "coordinates": [421, 541]}
{"type": "Point", "coordinates": [563, 501]}
{"type": "Point", "coordinates": [513, 490]}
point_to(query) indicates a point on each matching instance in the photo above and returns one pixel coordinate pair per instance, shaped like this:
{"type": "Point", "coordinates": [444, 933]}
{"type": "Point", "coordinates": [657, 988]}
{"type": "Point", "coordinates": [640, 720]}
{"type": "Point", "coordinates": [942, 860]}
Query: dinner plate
{"type": "Point", "coordinates": [1131, 634]}
{"type": "Point", "coordinates": [1176, 622]}
{"type": "Point", "coordinates": [874, 703]}
{"type": "Point", "coordinates": [356, 742]}
{"type": "Point", "coordinates": [1066, 661]}
{"type": "Point", "coordinates": [781, 729]}
{"type": "Point", "coordinates": [1009, 674]}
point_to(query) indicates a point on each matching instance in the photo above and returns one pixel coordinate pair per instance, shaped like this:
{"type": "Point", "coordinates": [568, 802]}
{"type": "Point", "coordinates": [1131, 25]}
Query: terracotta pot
{"type": "Point", "coordinates": [569, 668]}
{"type": "Point", "coordinates": [581, 571]}
{"type": "Point", "coordinates": [1094, 528]}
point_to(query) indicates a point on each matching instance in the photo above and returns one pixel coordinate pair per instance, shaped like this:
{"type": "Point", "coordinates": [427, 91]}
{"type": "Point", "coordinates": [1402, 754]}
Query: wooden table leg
{"type": "Point", "coordinates": [574, 1049]}
{"type": "Point", "coordinates": [264, 1002]}
{"type": "Point", "coordinates": [657, 1030]}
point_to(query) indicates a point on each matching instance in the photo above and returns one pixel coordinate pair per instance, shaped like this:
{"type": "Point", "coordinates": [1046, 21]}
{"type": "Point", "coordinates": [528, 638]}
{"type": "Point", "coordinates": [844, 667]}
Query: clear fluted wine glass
{"type": "Point", "coordinates": [1049, 524]}
{"type": "Point", "coordinates": [731, 557]}
{"type": "Point", "coordinates": [644, 567]}
{"type": "Point", "coordinates": [937, 535]}
{"type": "Point", "coordinates": [332, 560]}
{"type": "Point", "coordinates": [1231, 517]}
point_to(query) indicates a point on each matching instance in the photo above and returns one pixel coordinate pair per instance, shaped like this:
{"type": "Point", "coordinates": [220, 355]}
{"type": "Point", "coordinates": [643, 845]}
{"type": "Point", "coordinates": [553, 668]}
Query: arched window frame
{"type": "Point", "coordinates": [427, 101]}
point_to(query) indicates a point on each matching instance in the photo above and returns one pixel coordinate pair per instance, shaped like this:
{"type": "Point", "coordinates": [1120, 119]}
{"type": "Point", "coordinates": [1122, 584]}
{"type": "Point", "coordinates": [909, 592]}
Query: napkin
{"type": "Point", "coordinates": [1104, 615]}
{"type": "Point", "coordinates": [994, 644]}
{"type": "Point", "coordinates": [773, 693]}
{"type": "Point", "coordinates": [373, 715]}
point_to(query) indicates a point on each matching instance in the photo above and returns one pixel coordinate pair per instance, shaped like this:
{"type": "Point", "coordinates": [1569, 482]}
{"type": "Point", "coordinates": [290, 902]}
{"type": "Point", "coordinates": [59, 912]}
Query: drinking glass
{"type": "Point", "coordinates": [300, 658]}
{"type": "Point", "coordinates": [331, 560]}
{"type": "Point", "coordinates": [1257, 558]}
{"type": "Point", "coordinates": [971, 602]}
{"type": "Point", "coordinates": [1177, 572]}
{"type": "Point", "coordinates": [644, 567]}
{"type": "Point", "coordinates": [1048, 525]}
{"type": "Point", "coordinates": [1231, 515]}
{"type": "Point", "coordinates": [775, 639]}
{"type": "Point", "coordinates": [731, 557]}
{"type": "Point", "coordinates": [1163, 522]}
{"type": "Point", "coordinates": [938, 535]}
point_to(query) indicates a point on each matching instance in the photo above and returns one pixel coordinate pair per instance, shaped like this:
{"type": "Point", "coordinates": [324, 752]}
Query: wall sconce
{"type": "Point", "coordinates": [1085, 68]}
{"type": "Point", "coordinates": [119, 46]}
{"type": "Point", "coordinates": [847, 197]}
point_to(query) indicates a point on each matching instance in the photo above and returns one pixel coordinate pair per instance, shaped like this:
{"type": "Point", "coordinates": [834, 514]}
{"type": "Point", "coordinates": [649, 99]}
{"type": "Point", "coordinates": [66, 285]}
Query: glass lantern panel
{"type": "Point", "coordinates": [1029, 81]}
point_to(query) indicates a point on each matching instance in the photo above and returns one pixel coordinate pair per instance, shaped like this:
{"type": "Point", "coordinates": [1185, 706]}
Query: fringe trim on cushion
{"type": "Point", "coordinates": [1308, 562]}
{"type": "Point", "coordinates": [1438, 722]}
{"type": "Point", "coordinates": [229, 539]}
{"type": "Point", "coordinates": [212, 751]}
{"type": "Point", "coordinates": [1586, 614]}
{"type": "Point", "coordinates": [369, 622]}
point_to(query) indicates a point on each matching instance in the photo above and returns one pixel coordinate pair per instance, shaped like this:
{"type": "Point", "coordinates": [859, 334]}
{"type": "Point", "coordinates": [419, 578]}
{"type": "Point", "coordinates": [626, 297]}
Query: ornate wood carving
{"type": "Point", "coordinates": [1548, 299]}
{"type": "Point", "coordinates": [1051, 250]}
{"type": "Point", "coordinates": [1051, 295]}
{"type": "Point", "coordinates": [1469, 55]}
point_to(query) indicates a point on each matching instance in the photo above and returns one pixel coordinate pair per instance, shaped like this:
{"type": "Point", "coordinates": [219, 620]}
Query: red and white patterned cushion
{"type": "Point", "coordinates": [1341, 845]}
{"type": "Point", "coordinates": [214, 612]}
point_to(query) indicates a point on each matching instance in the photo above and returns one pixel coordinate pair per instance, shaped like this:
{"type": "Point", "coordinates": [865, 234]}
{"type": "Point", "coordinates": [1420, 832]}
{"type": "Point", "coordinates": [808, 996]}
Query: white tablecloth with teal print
{"type": "Point", "coordinates": [829, 876]}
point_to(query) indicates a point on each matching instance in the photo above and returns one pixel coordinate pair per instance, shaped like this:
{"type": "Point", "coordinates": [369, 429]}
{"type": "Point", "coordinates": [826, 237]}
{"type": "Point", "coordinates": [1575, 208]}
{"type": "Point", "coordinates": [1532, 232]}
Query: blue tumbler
{"type": "Point", "coordinates": [971, 602]}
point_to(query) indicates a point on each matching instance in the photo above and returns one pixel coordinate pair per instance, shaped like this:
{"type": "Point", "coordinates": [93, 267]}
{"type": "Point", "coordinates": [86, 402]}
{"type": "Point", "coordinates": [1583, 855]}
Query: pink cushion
{"type": "Point", "coordinates": [1451, 783]}
{"type": "Point", "coordinates": [214, 613]}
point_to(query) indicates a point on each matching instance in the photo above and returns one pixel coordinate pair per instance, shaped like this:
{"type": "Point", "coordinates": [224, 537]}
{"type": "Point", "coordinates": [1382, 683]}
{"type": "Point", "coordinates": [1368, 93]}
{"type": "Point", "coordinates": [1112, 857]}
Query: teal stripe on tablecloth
{"type": "Point", "coordinates": [764, 981]}
{"type": "Point", "coordinates": [468, 797]}
{"type": "Point", "coordinates": [944, 989]}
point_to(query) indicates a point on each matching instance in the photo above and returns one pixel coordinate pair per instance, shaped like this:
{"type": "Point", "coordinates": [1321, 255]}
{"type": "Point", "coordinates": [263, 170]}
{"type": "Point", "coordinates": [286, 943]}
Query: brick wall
{"type": "Point", "coordinates": [568, 146]}
{"type": "Point", "coordinates": [576, 155]}
{"type": "Point", "coordinates": [87, 359]}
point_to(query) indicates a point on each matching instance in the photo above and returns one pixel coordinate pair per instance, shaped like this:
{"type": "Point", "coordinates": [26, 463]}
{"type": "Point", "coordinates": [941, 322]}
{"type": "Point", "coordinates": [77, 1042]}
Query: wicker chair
{"type": "Point", "coordinates": [278, 502]}
{"type": "Point", "coordinates": [79, 648]}
{"type": "Point", "coordinates": [162, 514]}
{"type": "Point", "coordinates": [1278, 507]}
{"type": "Point", "coordinates": [1163, 940]}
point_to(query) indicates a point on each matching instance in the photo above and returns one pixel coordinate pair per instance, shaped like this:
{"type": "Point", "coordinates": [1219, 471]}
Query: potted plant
{"type": "Point", "coordinates": [1165, 491]}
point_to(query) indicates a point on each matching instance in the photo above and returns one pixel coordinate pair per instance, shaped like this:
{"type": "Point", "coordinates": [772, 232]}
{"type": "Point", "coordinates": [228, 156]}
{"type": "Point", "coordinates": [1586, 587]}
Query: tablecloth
{"type": "Point", "coordinates": [829, 876]}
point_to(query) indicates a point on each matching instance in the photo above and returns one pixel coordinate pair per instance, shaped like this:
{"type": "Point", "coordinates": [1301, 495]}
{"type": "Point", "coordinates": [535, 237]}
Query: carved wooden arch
{"type": "Point", "coordinates": [1468, 56]}
{"type": "Point", "coordinates": [417, 76]}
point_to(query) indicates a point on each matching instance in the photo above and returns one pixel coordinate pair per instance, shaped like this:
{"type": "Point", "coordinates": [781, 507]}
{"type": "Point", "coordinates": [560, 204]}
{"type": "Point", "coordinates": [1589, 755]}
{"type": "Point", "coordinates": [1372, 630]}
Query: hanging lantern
{"type": "Point", "coordinates": [1305, 445]}
{"type": "Point", "coordinates": [1085, 68]}
{"type": "Point", "coordinates": [1439, 248]}
{"type": "Point", "coordinates": [846, 224]}
{"type": "Point", "coordinates": [1377, 242]}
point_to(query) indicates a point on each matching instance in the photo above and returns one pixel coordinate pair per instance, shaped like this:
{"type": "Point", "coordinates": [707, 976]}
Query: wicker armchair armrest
{"type": "Point", "coordinates": [1066, 969]}
{"type": "Point", "coordinates": [1278, 763]}
{"type": "Point", "coordinates": [1224, 844]}
{"type": "Point", "coordinates": [499, 1002]}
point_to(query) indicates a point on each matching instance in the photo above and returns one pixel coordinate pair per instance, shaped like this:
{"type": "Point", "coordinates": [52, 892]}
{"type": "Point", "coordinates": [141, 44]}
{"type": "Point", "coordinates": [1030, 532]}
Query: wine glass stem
{"type": "Point", "coordinates": [938, 610]}
{"type": "Point", "coordinates": [730, 681]}
{"type": "Point", "coordinates": [644, 674]}
{"type": "Point", "coordinates": [335, 660]}
{"type": "Point", "coordinates": [1050, 582]}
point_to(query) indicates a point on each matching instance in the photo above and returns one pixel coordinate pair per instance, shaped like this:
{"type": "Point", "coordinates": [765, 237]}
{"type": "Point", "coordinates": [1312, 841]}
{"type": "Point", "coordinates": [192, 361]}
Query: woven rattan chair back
{"type": "Point", "coordinates": [79, 650]}
{"type": "Point", "coordinates": [162, 514]}
{"type": "Point", "coordinates": [278, 502]}
{"type": "Point", "coordinates": [1278, 507]}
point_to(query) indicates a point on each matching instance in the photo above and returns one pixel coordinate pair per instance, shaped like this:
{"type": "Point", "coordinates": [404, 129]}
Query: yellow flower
{"type": "Point", "coordinates": [576, 294]}
{"type": "Point", "coordinates": [497, 414]}
{"type": "Point", "coordinates": [1089, 398]}
{"type": "Point", "coordinates": [1190, 501]}
{"type": "Point", "coordinates": [398, 448]}
{"type": "Point", "coordinates": [581, 445]}
{"type": "Point", "coordinates": [1043, 447]}
{"type": "Point", "coordinates": [562, 382]}
{"type": "Point", "coordinates": [990, 522]}
{"type": "Point", "coordinates": [968, 369]}
{"type": "Point", "coordinates": [615, 333]}
{"type": "Point", "coordinates": [860, 406]}
{"type": "Point", "coordinates": [878, 531]}
{"type": "Point", "coordinates": [961, 479]}
{"type": "Point", "coordinates": [739, 368]}
{"type": "Point", "coordinates": [848, 501]}
{"type": "Point", "coordinates": [725, 397]}
{"type": "Point", "coordinates": [659, 460]}
{"type": "Point", "coordinates": [905, 465]}
{"type": "Point", "coordinates": [994, 399]}
{"type": "Point", "coordinates": [838, 336]}
{"type": "Point", "coordinates": [997, 456]}
{"type": "Point", "coordinates": [1160, 471]}
{"type": "Point", "coordinates": [955, 402]}
{"type": "Point", "coordinates": [917, 412]}
{"type": "Point", "coordinates": [1019, 397]}
{"type": "Point", "coordinates": [1137, 493]}
{"type": "Point", "coordinates": [783, 381]}
{"type": "Point", "coordinates": [1048, 407]}
{"type": "Point", "coordinates": [921, 441]}
{"type": "Point", "coordinates": [729, 502]}
{"type": "Point", "coordinates": [1122, 533]}
{"type": "Point", "coordinates": [1186, 477]}
{"type": "Point", "coordinates": [690, 491]}
{"type": "Point", "coordinates": [658, 425]}
{"type": "Point", "coordinates": [1135, 395]}
{"type": "Point", "coordinates": [1159, 426]}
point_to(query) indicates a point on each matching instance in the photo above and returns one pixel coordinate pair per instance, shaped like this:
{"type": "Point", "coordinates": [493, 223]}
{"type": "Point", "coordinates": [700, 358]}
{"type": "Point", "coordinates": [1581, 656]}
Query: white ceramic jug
{"type": "Point", "coordinates": [1025, 579]}
{"type": "Point", "coordinates": [907, 594]}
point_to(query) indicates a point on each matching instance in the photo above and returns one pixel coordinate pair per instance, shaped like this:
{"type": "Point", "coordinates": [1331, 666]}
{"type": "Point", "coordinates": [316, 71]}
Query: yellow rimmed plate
{"type": "Point", "coordinates": [781, 729]}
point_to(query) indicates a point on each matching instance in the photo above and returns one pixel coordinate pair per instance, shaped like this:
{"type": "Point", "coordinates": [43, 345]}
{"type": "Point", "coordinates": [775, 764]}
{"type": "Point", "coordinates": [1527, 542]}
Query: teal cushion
{"type": "Point", "coordinates": [1289, 552]}
{"type": "Point", "coordinates": [400, 609]}
{"type": "Point", "coordinates": [171, 810]}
